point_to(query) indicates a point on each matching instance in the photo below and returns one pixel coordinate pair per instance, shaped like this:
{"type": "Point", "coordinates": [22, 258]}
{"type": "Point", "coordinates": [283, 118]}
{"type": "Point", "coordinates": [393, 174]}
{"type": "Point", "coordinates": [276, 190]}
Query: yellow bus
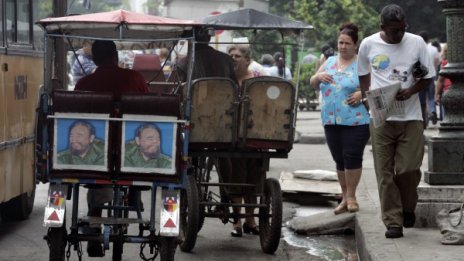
{"type": "Point", "coordinates": [21, 65]}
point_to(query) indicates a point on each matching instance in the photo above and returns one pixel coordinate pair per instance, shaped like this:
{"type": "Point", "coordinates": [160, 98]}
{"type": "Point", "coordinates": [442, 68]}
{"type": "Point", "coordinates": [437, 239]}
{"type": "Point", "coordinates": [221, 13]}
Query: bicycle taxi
{"type": "Point", "coordinates": [114, 123]}
{"type": "Point", "coordinates": [256, 121]}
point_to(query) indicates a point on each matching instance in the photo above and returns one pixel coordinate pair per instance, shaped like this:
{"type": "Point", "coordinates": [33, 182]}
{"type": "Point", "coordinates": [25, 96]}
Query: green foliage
{"type": "Point", "coordinates": [326, 17]}
{"type": "Point", "coordinates": [421, 15]}
{"type": "Point", "coordinates": [306, 71]}
{"type": "Point", "coordinates": [263, 41]}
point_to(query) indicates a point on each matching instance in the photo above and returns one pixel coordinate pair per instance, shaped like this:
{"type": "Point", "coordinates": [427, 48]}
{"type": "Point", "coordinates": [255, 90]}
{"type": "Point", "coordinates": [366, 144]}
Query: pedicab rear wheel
{"type": "Point", "coordinates": [118, 245]}
{"type": "Point", "coordinates": [56, 238]}
{"type": "Point", "coordinates": [204, 173]}
{"type": "Point", "coordinates": [168, 247]}
{"type": "Point", "coordinates": [189, 208]}
{"type": "Point", "coordinates": [270, 217]}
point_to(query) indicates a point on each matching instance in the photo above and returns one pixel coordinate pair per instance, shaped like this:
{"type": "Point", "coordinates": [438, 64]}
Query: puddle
{"type": "Point", "coordinates": [330, 247]}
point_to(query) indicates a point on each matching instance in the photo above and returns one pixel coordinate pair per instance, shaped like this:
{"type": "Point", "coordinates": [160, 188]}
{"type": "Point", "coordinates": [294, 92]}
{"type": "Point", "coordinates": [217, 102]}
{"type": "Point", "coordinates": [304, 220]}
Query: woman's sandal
{"type": "Point", "coordinates": [352, 205]}
{"type": "Point", "coordinates": [236, 230]}
{"type": "Point", "coordinates": [342, 208]}
{"type": "Point", "coordinates": [250, 230]}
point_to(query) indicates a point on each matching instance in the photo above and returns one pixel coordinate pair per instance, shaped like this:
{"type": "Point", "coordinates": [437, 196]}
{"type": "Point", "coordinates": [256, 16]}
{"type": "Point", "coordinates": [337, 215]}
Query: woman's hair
{"type": "Point", "coordinates": [279, 61]}
{"type": "Point", "coordinates": [243, 49]}
{"type": "Point", "coordinates": [392, 13]}
{"type": "Point", "coordinates": [351, 30]}
{"type": "Point", "coordinates": [267, 59]}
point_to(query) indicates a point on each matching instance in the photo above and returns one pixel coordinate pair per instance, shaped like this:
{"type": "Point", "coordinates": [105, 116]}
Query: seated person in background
{"type": "Point", "coordinates": [145, 150]}
{"type": "Point", "coordinates": [84, 64]}
{"type": "Point", "coordinates": [108, 77]}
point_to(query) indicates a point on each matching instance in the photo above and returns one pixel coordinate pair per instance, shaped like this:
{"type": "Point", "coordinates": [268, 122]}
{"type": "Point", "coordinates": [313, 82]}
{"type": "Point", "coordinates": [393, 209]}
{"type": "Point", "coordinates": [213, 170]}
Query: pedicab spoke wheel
{"type": "Point", "coordinates": [204, 176]}
{"type": "Point", "coordinates": [56, 238]}
{"type": "Point", "coordinates": [189, 215]}
{"type": "Point", "coordinates": [118, 245]}
{"type": "Point", "coordinates": [270, 217]}
{"type": "Point", "coordinates": [168, 247]}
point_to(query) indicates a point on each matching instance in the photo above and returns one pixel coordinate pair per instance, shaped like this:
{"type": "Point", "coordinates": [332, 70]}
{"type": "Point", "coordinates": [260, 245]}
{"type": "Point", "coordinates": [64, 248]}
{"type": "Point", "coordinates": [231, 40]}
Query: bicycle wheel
{"type": "Point", "coordinates": [189, 215]}
{"type": "Point", "coordinates": [168, 247]}
{"type": "Point", "coordinates": [270, 218]}
{"type": "Point", "coordinates": [56, 238]}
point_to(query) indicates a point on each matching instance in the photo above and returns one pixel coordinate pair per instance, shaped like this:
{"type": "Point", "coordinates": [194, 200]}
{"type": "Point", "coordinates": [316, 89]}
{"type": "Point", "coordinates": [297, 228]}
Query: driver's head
{"type": "Point", "coordinates": [104, 52]}
{"type": "Point", "coordinates": [81, 136]}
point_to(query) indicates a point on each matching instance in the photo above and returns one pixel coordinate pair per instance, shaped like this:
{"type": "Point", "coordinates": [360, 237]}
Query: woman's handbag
{"type": "Point", "coordinates": [451, 225]}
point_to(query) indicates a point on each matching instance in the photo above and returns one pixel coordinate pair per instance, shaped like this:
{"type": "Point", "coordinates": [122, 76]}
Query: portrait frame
{"type": "Point", "coordinates": [61, 144]}
{"type": "Point", "coordinates": [131, 160]}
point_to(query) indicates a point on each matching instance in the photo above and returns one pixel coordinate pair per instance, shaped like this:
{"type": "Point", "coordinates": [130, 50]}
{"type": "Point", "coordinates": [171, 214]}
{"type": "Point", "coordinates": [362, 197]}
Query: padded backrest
{"type": "Point", "coordinates": [146, 62]}
{"type": "Point", "coordinates": [82, 101]}
{"type": "Point", "coordinates": [267, 113]}
{"type": "Point", "coordinates": [213, 113]}
{"type": "Point", "coordinates": [150, 104]}
{"type": "Point", "coordinates": [149, 65]}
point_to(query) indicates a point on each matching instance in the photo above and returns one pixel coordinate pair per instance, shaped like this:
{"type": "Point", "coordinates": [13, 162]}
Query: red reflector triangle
{"type": "Point", "coordinates": [54, 216]}
{"type": "Point", "coordinates": [169, 223]}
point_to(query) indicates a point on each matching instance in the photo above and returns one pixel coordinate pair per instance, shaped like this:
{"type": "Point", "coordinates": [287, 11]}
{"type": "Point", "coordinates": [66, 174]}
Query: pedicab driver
{"type": "Point", "coordinates": [108, 77]}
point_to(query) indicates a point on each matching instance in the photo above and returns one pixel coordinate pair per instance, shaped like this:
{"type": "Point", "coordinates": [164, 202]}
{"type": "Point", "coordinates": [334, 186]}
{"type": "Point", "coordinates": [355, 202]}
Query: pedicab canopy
{"type": "Point", "coordinates": [120, 24]}
{"type": "Point", "coordinates": [253, 19]}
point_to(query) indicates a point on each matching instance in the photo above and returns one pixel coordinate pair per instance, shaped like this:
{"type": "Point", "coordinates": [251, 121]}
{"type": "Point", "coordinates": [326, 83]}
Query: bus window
{"type": "Point", "coordinates": [1, 29]}
{"type": "Point", "coordinates": [18, 21]}
{"type": "Point", "coordinates": [41, 9]}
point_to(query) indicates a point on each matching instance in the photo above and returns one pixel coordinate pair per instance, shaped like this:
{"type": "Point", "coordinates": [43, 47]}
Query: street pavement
{"type": "Point", "coordinates": [417, 243]}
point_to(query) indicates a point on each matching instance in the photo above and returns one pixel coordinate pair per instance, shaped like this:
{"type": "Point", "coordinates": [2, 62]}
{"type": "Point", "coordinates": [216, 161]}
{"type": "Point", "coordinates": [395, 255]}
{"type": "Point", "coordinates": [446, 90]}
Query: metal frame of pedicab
{"type": "Point", "coordinates": [270, 200]}
{"type": "Point", "coordinates": [117, 26]}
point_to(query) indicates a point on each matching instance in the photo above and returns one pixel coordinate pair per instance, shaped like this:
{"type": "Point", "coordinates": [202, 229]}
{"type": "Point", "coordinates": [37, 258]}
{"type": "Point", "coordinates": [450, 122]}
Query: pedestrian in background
{"type": "Point", "coordinates": [84, 64]}
{"type": "Point", "coordinates": [386, 58]}
{"type": "Point", "coordinates": [345, 119]}
{"type": "Point", "coordinates": [279, 69]}
{"type": "Point", "coordinates": [267, 61]}
{"type": "Point", "coordinates": [427, 96]}
{"type": "Point", "coordinates": [443, 83]}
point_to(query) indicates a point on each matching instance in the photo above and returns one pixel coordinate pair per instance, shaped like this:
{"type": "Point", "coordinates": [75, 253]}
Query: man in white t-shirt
{"type": "Point", "coordinates": [385, 58]}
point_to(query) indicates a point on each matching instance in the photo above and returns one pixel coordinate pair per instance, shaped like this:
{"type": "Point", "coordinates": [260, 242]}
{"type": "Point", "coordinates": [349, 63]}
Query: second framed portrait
{"type": "Point", "coordinates": [148, 144]}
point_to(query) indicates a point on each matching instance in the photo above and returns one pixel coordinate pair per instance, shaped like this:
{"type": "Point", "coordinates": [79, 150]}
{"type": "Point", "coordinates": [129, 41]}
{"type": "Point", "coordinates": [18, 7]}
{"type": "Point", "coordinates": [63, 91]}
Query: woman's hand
{"type": "Point", "coordinates": [324, 77]}
{"type": "Point", "coordinates": [355, 98]}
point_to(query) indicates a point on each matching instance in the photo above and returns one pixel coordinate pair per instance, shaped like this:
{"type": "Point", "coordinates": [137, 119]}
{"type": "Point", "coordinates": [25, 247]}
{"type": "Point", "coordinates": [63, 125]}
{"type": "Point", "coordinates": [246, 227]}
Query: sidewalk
{"type": "Point", "coordinates": [417, 243]}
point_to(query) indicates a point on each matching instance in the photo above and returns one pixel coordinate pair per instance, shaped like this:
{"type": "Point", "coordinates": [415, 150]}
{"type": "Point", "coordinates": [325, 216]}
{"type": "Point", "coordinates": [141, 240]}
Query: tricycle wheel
{"type": "Point", "coordinates": [205, 175]}
{"type": "Point", "coordinates": [56, 237]}
{"type": "Point", "coordinates": [118, 247]}
{"type": "Point", "coordinates": [189, 215]}
{"type": "Point", "coordinates": [168, 247]}
{"type": "Point", "coordinates": [270, 217]}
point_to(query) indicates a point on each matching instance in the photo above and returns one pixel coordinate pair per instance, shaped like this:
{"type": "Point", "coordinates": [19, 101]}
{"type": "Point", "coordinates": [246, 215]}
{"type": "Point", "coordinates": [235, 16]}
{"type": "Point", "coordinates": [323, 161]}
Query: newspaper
{"type": "Point", "coordinates": [383, 104]}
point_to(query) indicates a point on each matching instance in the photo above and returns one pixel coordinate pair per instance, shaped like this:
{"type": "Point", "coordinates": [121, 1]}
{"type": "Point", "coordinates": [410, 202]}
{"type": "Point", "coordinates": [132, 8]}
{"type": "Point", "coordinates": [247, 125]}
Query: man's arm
{"type": "Point", "coordinates": [405, 94]}
{"type": "Point", "coordinates": [364, 85]}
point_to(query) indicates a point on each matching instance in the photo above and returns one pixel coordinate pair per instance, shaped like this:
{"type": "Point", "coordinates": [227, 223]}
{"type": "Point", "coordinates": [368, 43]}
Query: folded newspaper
{"type": "Point", "coordinates": [383, 104]}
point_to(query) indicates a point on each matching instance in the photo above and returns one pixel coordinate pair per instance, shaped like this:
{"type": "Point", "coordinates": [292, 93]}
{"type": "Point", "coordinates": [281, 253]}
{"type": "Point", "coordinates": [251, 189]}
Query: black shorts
{"type": "Point", "coordinates": [346, 144]}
